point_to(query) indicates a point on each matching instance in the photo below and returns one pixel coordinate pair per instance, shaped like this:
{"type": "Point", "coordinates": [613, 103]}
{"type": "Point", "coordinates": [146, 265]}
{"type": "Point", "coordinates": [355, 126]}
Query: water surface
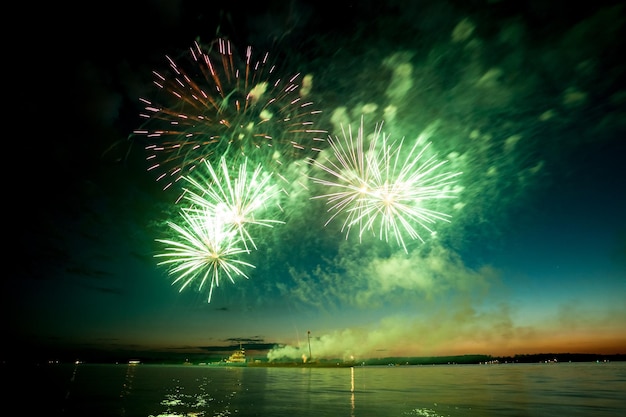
{"type": "Point", "coordinates": [563, 389]}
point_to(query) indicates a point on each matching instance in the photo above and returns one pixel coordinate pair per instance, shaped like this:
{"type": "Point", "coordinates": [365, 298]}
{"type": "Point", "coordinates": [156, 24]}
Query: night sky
{"type": "Point", "coordinates": [526, 100]}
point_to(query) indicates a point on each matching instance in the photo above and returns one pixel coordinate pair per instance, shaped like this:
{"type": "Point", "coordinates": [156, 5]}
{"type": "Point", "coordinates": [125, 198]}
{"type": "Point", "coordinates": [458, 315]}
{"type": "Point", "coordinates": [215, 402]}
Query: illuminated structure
{"type": "Point", "coordinates": [238, 357]}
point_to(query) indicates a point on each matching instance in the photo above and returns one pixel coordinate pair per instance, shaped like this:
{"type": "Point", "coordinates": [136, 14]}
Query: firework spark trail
{"type": "Point", "coordinates": [351, 178]}
{"type": "Point", "coordinates": [218, 103]}
{"type": "Point", "coordinates": [237, 203]}
{"type": "Point", "coordinates": [205, 249]}
{"type": "Point", "coordinates": [381, 188]}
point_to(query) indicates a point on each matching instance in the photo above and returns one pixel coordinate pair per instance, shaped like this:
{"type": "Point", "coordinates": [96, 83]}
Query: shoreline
{"type": "Point", "coordinates": [331, 363]}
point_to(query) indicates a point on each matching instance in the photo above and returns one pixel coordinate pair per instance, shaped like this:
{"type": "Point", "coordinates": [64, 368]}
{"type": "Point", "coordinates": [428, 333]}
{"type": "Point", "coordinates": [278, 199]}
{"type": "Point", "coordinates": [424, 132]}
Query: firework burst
{"type": "Point", "coordinates": [205, 248]}
{"type": "Point", "coordinates": [215, 103]}
{"type": "Point", "coordinates": [237, 201]}
{"type": "Point", "coordinates": [379, 189]}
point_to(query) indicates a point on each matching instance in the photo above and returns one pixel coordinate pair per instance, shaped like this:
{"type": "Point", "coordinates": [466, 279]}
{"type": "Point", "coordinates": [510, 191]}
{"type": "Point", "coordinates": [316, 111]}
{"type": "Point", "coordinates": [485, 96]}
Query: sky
{"type": "Point", "coordinates": [522, 102]}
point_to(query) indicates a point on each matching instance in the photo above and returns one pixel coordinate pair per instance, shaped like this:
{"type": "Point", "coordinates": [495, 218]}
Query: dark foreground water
{"type": "Point", "coordinates": [563, 389]}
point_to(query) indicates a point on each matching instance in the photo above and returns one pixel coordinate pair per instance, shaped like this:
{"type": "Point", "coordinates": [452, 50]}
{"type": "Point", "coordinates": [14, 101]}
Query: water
{"type": "Point", "coordinates": [563, 389]}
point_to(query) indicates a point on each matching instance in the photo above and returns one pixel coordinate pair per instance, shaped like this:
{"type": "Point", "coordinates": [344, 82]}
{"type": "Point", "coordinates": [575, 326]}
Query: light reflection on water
{"type": "Point", "coordinates": [572, 389]}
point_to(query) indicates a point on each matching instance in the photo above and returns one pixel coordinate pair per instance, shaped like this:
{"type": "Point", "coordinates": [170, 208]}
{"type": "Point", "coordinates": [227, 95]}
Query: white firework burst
{"type": "Point", "coordinates": [380, 188]}
{"type": "Point", "coordinates": [203, 250]}
{"type": "Point", "coordinates": [240, 201]}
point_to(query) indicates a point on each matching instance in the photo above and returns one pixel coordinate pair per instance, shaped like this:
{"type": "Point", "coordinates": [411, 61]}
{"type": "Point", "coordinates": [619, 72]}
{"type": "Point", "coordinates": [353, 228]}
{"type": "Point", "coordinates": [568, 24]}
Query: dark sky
{"type": "Point", "coordinates": [526, 99]}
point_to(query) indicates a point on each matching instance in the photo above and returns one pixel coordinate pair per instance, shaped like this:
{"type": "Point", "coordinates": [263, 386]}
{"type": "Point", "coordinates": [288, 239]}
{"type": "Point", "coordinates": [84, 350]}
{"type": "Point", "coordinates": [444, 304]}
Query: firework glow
{"type": "Point", "coordinates": [231, 128]}
{"type": "Point", "coordinates": [216, 103]}
{"type": "Point", "coordinates": [380, 190]}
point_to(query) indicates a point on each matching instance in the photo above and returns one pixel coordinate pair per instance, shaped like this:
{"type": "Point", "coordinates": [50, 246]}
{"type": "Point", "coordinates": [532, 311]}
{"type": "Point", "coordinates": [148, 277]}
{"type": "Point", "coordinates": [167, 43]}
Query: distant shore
{"type": "Point", "coordinates": [445, 360]}
{"type": "Point", "coordinates": [200, 360]}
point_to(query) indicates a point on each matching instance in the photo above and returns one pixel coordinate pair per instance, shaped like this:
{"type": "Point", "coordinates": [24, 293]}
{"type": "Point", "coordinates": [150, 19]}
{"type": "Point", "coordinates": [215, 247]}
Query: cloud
{"type": "Point", "coordinates": [364, 278]}
{"type": "Point", "coordinates": [438, 304]}
{"type": "Point", "coordinates": [455, 328]}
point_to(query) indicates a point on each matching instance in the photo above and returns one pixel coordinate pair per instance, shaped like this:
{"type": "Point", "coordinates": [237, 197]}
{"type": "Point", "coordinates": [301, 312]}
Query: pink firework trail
{"type": "Point", "coordinates": [217, 104]}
